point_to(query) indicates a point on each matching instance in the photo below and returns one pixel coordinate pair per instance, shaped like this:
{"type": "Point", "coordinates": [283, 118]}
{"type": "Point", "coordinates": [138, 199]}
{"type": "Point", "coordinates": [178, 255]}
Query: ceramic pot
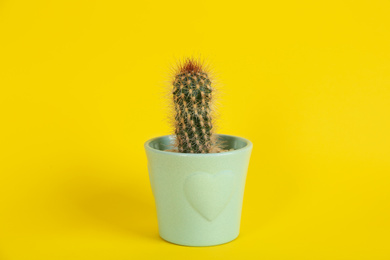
{"type": "Point", "coordinates": [198, 197]}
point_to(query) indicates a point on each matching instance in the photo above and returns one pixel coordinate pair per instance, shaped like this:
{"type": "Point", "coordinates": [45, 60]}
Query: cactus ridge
{"type": "Point", "coordinates": [192, 96]}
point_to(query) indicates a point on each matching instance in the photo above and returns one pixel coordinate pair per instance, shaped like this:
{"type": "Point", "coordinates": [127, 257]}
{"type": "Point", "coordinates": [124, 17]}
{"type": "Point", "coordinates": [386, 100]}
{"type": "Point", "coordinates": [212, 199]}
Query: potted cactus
{"type": "Point", "coordinates": [197, 176]}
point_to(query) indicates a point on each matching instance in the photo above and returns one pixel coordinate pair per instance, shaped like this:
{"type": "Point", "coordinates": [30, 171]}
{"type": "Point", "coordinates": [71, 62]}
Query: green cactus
{"type": "Point", "coordinates": [192, 97]}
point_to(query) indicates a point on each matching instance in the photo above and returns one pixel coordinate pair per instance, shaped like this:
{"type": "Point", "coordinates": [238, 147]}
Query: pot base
{"type": "Point", "coordinates": [199, 244]}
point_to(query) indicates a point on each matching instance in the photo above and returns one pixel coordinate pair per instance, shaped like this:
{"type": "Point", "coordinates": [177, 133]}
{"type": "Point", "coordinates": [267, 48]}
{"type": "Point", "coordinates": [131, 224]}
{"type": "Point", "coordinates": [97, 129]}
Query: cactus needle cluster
{"type": "Point", "coordinates": [192, 97]}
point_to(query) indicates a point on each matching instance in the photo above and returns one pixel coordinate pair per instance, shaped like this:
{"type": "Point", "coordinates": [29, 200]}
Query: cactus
{"type": "Point", "coordinates": [192, 97]}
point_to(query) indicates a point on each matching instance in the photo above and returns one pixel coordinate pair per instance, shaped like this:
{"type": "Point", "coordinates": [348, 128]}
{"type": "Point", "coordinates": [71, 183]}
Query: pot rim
{"type": "Point", "coordinates": [248, 146]}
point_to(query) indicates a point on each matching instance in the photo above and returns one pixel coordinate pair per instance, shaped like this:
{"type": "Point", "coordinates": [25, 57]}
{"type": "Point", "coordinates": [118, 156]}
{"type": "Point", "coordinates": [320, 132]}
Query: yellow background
{"type": "Point", "coordinates": [82, 88]}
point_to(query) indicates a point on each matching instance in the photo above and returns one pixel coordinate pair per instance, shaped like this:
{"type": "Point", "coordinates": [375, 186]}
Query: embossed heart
{"type": "Point", "coordinates": [209, 193]}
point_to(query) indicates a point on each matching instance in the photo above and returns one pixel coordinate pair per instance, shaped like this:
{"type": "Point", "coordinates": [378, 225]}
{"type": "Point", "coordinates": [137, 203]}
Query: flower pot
{"type": "Point", "coordinates": [198, 196]}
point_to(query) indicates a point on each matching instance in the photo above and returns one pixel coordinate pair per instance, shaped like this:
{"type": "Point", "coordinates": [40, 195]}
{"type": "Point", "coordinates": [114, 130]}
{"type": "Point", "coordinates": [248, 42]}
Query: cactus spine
{"type": "Point", "coordinates": [192, 96]}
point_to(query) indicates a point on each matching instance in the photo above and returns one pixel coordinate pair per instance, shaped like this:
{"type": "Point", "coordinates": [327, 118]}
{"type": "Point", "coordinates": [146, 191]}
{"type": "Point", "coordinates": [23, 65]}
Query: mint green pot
{"type": "Point", "coordinates": [198, 196]}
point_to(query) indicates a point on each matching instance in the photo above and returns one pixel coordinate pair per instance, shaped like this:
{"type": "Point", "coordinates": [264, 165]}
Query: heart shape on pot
{"type": "Point", "coordinates": [209, 193]}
